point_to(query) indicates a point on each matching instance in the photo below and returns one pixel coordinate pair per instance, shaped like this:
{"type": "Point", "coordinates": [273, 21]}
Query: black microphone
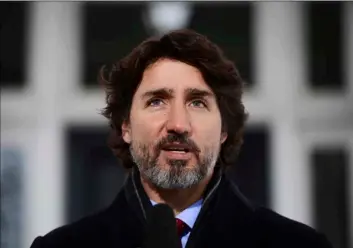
{"type": "Point", "coordinates": [161, 230]}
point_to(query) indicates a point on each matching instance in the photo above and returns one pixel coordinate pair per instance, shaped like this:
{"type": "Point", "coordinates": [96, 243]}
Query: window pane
{"type": "Point", "coordinates": [94, 175]}
{"type": "Point", "coordinates": [251, 172]}
{"type": "Point", "coordinates": [12, 197]}
{"type": "Point", "coordinates": [112, 30]}
{"type": "Point", "coordinates": [230, 26]}
{"type": "Point", "coordinates": [13, 18]}
{"type": "Point", "coordinates": [330, 194]}
{"type": "Point", "coordinates": [325, 40]}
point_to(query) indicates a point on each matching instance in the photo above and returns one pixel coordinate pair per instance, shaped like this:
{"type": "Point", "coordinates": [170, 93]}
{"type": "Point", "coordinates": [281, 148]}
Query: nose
{"type": "Point", "coordinates": [179, 120]}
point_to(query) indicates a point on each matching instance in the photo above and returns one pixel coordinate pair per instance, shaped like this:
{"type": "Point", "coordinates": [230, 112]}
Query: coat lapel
{"type": "Point", "coordinates": [225, 215]}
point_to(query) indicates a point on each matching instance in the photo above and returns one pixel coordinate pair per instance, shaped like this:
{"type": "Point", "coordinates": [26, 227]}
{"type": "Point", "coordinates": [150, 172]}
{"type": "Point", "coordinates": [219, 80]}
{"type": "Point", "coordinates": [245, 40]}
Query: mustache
{"type": "Point", "coordinates": [180, 138]}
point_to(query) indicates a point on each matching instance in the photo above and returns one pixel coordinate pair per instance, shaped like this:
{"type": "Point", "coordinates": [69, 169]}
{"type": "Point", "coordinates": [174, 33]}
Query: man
{"type": "Point", "coordinates": [175, 108]}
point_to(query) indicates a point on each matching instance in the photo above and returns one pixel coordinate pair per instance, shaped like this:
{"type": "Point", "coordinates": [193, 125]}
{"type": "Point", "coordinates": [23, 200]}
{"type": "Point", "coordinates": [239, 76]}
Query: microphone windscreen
{"type": "Point", "coordinates": [161, 230]}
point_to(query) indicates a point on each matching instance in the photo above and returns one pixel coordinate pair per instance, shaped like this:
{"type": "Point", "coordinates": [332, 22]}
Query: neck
{"type": "Point", "coordinates": [177, 199]}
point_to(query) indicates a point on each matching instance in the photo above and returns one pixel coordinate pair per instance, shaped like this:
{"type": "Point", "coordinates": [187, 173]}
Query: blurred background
{"type": "Point", "coordinates": [297, 60]}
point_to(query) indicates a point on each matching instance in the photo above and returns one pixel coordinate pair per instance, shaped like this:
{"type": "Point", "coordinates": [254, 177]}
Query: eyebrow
{"type": "Point", "coordinates": [158, 92]}
{"type": "Point", "coordinates": [194, 92]}
{"type": "Point", "coordinates": [166, 92]}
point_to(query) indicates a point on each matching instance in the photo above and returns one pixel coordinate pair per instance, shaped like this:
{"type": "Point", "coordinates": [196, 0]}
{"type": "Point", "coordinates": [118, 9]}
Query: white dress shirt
{"type": "Point", "coordinates": [189, 216]}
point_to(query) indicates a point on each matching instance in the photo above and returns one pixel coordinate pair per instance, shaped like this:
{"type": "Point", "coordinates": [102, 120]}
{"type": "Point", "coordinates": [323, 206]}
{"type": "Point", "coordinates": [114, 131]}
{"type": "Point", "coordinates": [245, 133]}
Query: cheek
{"type": "Point", "coordinates": [144, 131]}
{"type": "Point", "coordinates": [208, 132]}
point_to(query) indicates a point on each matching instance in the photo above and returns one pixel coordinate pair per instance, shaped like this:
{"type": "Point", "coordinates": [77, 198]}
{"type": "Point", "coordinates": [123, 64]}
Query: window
{"type": "Point", "coordinates": [325, 41]}
{"type": "Point", "coordinates": [12, 195]}
{"type": "Point", "coordinates": [94, 174]}
{"type": "Point", "coordinates": [251, 171]}
{"type": "Point", "coordinates": [13, 19]}
{"type": "Point", "coordinates": [230, 26]}
{"type": "Point", "coordinates": [112, 30]}
{"type": "Point", "coordinates": [330, 171]}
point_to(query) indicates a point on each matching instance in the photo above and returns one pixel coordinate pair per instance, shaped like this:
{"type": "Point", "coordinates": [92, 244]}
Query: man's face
{"type": "Point", "coordinates": [174, 129]}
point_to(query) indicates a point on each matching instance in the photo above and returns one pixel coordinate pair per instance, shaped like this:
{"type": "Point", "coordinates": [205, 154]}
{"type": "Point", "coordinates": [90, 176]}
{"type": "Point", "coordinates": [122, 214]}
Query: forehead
{"type": "Point", "coordinates": [172, 74]}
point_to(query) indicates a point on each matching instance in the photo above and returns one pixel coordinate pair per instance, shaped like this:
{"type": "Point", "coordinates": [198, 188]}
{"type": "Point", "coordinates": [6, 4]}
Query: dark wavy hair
{"type": "Point", "coordinates": [121, 80]}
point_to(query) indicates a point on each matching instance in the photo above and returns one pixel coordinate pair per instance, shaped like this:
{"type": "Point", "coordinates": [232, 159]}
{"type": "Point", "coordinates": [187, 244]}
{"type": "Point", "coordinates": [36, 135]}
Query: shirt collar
{"type": "Point", "coordinates": [188, 215]}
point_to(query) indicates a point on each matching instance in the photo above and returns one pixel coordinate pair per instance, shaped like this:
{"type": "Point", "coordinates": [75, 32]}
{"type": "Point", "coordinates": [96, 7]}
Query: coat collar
{"type": "Point", "coordinates": [223, 206]}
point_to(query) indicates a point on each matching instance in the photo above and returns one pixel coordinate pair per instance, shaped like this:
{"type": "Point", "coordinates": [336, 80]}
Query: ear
{"type": "Point", "coordinates": [224, 137]}
{"type": "Point", "coordinates": [126, 132]}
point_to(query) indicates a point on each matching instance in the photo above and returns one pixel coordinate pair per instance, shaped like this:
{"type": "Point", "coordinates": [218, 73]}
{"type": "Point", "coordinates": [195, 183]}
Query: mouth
{"type": "Point", "coordinates": [178, 148]}
{"type": "Point", "coordinates": [178, 151]}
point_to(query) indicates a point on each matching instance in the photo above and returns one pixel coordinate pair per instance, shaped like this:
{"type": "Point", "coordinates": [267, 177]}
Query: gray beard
{"type": "Point", "coordinates": [177, 176]}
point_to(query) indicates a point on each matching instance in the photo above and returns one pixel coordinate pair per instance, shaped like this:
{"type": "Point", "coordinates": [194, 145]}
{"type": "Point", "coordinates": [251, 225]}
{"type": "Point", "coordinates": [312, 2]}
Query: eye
{"type": "Point", "coordinates": [199, 104]}
{"type": "Point", "coordinates": [155, 102]}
